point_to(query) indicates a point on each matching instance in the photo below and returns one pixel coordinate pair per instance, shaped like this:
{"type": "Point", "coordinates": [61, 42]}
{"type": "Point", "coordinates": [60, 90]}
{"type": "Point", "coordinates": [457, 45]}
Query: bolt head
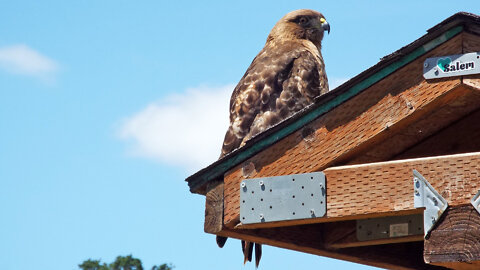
{"type": "Point", "coordinates": [242, 184]}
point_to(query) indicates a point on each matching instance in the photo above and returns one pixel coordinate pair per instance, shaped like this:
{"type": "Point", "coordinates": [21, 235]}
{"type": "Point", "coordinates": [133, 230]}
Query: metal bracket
{"type": "Point", "coordinates": [426, 196]}
{"type": "Point", "coordinates": [476, 201]}
{"type": "Point", "coordinates": [289, 197]}
{"type": "Point", "coordinates": [389, 227]}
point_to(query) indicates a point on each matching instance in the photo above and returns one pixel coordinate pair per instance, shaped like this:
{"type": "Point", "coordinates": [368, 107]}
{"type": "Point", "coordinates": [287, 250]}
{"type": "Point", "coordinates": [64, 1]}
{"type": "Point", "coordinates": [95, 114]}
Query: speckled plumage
{"type": "Point", "coordinates": [284, 77]}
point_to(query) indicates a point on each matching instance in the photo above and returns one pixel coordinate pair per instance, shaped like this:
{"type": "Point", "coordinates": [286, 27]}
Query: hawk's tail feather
{"type": "Point", "coordinates": [221, 241]}
{"type": "Point", "coordinates": [258, 254]}
{"type": "Point", "coordinates": [247, 248]}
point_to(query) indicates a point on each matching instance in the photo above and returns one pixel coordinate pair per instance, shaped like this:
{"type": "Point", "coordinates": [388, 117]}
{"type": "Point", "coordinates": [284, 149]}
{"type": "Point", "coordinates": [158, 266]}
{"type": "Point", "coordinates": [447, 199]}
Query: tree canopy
{"type": "Point", "coordinates": [121, 263]}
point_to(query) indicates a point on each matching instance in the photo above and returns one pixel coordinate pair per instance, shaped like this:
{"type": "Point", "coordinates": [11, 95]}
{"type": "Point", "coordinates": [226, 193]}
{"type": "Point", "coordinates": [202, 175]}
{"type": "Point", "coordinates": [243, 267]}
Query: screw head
{"type": "Point", "coordinates": [425, 64]}
{"type": "Point", "coordinates": [261, 183]}
{"type": "Point", "coordinates": [242, 184]}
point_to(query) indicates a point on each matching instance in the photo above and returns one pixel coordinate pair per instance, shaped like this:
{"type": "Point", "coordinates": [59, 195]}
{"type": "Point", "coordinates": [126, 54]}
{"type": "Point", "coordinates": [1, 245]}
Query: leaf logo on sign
{"type": "Point", "coordinates": [443, 63]}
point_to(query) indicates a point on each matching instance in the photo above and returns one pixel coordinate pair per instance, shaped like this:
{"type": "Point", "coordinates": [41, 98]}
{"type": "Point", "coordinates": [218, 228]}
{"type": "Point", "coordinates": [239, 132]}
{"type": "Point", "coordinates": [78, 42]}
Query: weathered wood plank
{"type": "Point", "coordinates": [461, 265]}
{"type": "Point", "coordinates": [455, 241]}
{"type": "Point", "coordinates": [285, 223]}
{"type": "Point", "coordinates": [456, 105]}
{"type": "Point", "coordinates": [344, 235]}
{"type": "Point", "coordinates": [446, 142]}
{"type": "Point", "coordinates": [214, 207]}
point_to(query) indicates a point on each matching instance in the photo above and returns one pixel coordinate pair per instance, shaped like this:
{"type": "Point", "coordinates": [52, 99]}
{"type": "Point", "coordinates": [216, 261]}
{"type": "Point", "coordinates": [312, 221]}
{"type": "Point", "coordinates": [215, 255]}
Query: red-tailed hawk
{"type": "Point", "coordinates": [285, 77]}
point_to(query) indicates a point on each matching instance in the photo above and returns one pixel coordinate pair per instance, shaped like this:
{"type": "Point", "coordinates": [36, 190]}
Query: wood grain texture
{"type": "Point", "coordinates": [456, 238]}
{"type": "Point", "coordinates": [440, 114]}
{"type": "Point", "coordinates": [387, 186]}
{"type": "Point", "coordinates": [214, 207]}
{"type": "Point", "coordinates": [460, 265]}
{"type": "Point", "coordinates": [446, 141]}
{"type": "Point", "coordinates": [353, 127]}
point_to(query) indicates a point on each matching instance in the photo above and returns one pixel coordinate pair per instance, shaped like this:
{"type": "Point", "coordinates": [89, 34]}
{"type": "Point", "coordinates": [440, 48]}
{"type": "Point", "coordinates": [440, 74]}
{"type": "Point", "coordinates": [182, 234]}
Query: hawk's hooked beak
{"type": "Point", "coordinates": [325, 25]}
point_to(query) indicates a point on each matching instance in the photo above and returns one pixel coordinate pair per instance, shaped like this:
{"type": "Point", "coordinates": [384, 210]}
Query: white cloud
{"type": "Point", "coordinates": [184, 129]}
{"type": "Point", "coordinates": [21, 59]}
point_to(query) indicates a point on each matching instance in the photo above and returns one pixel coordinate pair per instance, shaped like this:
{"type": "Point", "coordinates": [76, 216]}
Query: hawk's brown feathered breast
{"type": "Point", "coordinates": [284, 77]}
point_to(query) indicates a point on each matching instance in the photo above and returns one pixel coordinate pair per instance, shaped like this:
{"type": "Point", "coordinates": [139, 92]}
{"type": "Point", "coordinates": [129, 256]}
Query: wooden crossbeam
{"type": "Point", "coordinates": [344, 235]}
{"type": "Point", "coordinates": [455, 241]}
{"type": "Point", "coordinates": [386, 188]}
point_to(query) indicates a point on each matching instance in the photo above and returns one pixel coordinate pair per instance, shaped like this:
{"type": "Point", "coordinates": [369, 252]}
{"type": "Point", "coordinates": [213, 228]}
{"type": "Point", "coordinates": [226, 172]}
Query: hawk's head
{"type": "Point", "coordinates": [300, 24]}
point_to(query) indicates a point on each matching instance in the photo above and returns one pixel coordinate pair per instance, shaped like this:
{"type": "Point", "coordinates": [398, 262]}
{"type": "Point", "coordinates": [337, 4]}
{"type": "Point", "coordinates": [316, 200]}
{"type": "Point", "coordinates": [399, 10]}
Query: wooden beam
{"type": "Point", "coordinates": [214, 207]}
{"type": "Point", "coordinates": [401, 137]}
{"type": "Point", "coordinates": [285, 223]}
{"type": "Point", "coordinates": [455, 241]}
{"type": "Point", "coordinates": [446, 142]}
{"type": "Point", "coordinates": [386, 188]}
{"type": "Point", "coordinates": [344, 235]}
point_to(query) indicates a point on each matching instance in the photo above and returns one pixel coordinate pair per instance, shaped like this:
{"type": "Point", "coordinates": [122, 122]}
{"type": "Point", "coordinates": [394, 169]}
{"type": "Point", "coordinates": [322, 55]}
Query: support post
{"type": "Point", "coordinates": [214, 207]}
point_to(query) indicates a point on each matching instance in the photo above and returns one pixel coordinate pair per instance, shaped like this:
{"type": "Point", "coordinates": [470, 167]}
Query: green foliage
{"type": "Point", "coordinates": [120, 263]}
{"type": "Point", "coordinates": [126, 263]}
{"type": "Point", "coordinates": [93, 265]}
{"type": "Point", "coordinates": [163, 267]}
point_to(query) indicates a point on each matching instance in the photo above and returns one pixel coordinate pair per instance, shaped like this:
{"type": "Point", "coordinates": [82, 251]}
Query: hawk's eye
{"type": "Point", "coordinates": [303, 20]}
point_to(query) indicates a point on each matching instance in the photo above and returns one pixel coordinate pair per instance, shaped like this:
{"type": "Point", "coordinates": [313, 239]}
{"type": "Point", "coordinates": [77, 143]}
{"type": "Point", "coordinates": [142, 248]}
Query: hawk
{"type": "Point", "coordinates": [285, 77]}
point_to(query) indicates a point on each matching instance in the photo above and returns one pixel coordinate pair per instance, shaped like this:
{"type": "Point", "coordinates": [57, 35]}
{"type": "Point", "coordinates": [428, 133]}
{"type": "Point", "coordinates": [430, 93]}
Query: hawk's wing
{"type": "Point", "coordinates": [280, 81]}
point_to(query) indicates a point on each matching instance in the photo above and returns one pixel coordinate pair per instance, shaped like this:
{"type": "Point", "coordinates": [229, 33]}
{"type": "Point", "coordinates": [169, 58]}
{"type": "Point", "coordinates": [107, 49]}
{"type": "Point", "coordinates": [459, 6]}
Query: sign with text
{"type": "Point", "coordinates": [451, 65]}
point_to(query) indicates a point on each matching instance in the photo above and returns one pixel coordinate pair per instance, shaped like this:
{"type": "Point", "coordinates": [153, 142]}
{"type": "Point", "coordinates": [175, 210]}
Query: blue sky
{"type": "Point", "coordinates": [107, 106]}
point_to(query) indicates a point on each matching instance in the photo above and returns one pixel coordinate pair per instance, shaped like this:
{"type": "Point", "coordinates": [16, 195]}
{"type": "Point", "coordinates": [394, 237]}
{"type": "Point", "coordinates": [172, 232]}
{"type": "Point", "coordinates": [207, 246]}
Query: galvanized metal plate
{"type": "Point", "coordinates": [389, 227]}
{"type": "Point", "coordinates": [424, 195]}
{"type": "Point", "coordinates": [475, 201]}
{"type": "Point", "coordinates": [451, 65]}
{"type": "Point", "coordinates": [289, 197]}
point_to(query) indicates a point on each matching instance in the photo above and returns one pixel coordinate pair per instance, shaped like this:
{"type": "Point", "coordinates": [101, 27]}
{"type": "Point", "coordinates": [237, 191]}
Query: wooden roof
{"type": "Point", "coordinates": [459, 31]}
{"type": "Point", "coordinates": [367, 136]}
